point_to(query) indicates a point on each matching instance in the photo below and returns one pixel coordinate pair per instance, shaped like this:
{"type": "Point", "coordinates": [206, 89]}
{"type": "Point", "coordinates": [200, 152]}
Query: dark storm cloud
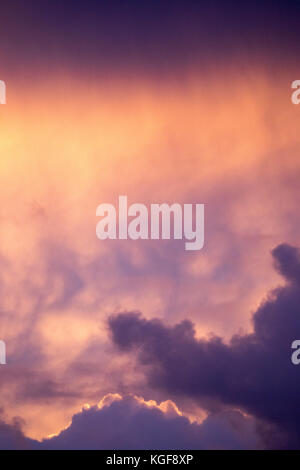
{"type": "Point", "coordinates": [253, 372]}
{"type": "Point", "coordinates": [12, 437]}
{"type": "Point", "coordinates": [147, 36]}
{"type": "Point", "coordinates": [129, 424]}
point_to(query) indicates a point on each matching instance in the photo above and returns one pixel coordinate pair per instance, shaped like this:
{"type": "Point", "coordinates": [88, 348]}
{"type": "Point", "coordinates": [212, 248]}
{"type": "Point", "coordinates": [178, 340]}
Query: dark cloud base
{"type": "Point", "coordinates": [253, 372]}
{"type": "Point", "coordinates": [148, 37]}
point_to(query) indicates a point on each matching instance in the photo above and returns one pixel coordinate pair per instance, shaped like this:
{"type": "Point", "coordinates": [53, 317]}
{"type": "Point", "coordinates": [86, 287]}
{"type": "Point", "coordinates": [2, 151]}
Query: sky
{"type": "Point", "coordinates": [139, 344]}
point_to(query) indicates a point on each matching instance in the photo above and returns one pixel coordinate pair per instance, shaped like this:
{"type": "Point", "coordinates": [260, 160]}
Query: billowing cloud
{"type": "Point", "coordinates": [131, 423]}
{"type": "Point", "coordinates": [253, 371]}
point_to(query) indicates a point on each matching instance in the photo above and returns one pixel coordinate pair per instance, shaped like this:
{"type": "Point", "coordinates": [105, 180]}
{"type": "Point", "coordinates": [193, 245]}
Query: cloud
{"type": "Point", "coordinates": [171, 142]}
{"type": "Point", "coordinates": [252, 372]}
{"type": "Point", "coordinates": [146, 37]}
{"type": "Point", "coordinates": [12, 437]}
{"type": "Point", "coordinates": [131, 423]}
